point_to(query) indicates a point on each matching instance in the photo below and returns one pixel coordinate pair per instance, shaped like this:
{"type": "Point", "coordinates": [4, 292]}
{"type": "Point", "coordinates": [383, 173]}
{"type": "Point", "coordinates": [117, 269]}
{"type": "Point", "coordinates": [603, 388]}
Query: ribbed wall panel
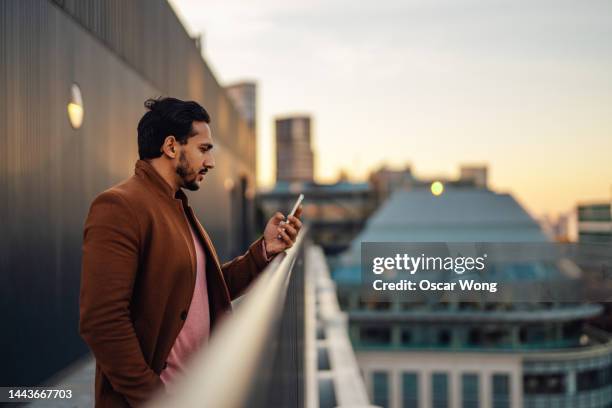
{"type": "Point", "coordinates": [148, 36]}
{"type": "Point", "coordinates": [119, 53]}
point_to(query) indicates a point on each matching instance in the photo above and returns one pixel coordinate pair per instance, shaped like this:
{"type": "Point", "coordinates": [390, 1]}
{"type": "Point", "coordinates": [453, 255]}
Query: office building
{"type": "Point", "coordinates": [503, 353]}
{"type": "Point", "coordinates": [244, 97]}
{"type": "Point", "coordinates": [294, 156]}
{"type": "Point", "coordinates": [595, 223]}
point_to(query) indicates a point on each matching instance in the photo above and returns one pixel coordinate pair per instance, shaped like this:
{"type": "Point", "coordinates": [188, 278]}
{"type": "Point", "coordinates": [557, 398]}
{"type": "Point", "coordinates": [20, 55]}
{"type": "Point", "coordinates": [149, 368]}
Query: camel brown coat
{"type": "Point", "coordinates": [137, 281]}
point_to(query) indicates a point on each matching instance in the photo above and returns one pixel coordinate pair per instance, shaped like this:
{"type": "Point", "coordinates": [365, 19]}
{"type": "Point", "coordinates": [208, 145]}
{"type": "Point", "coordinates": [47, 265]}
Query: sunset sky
{"type": "Point", "coordinates": [523, 86]}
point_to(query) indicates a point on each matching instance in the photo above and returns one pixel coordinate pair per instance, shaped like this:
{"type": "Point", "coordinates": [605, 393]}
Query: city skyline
{"type": "Point", "coordinates": [521, 87]}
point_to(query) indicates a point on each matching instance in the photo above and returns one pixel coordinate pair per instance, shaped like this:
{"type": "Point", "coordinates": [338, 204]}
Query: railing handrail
{"type": "Point", "coordinates": [221, 375]}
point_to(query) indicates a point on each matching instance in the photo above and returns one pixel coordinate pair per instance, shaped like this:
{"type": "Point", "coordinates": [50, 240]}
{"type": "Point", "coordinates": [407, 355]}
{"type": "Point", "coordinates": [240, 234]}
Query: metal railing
{"type": "Point", "coordinates": [256, 357]}
{"type": "Point", "coordinates": [339, 382]}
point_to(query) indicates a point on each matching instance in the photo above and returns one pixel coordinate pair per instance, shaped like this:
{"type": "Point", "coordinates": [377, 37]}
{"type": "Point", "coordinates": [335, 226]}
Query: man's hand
{"type": "Point", "coordinates": [280, 234]}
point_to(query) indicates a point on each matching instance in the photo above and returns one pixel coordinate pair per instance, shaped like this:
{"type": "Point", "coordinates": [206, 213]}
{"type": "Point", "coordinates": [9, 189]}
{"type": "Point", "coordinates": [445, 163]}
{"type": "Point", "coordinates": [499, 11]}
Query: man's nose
{"type": "Point", "coordinates": [210, 163]}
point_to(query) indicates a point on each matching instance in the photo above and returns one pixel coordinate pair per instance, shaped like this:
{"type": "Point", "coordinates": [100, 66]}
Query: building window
{"type": "Point", "coordinates": [376, 304]}
{"type": "Point", "coordinates": [544, 384]}
{"type": "Point", "coordinates": [496, 338]}
{"type": "Point", "coordinates": [380, 388]}
{"type": "Point", "coordinates": [469, 391]}
{"type": "Point", "coordinates": [592, 379]}
{"type": "Point", "coordinates": [375, 336]}
{"type": "Point", "coordinates": [406, 336]}
{"type": "Point", "coordinates": [410, 390]}
{"type": "Point", "coordinates": [501, 391]}
{"type": "Point", "coordinates": [439, 390]}
{"type": "Point", "coordinates": [474, 337]}
{"type": "Point", "coordinates": [536, 335]}
{"type": "Point", "coordinates": [444, 337]}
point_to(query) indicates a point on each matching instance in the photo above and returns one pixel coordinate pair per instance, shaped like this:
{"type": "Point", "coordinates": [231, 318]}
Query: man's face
{"type": "Point", "coordinates": [195, 157]}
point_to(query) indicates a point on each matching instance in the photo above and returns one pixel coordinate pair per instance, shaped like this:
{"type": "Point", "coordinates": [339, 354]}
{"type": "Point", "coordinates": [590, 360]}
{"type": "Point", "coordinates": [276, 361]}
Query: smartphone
{"type": "Point", "coordinates": [297, 204]}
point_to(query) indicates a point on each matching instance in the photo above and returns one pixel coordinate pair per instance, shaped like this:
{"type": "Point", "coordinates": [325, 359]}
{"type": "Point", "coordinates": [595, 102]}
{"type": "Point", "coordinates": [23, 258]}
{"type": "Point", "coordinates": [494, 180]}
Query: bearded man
{"type": "Point", "coordinates": [152, 285]}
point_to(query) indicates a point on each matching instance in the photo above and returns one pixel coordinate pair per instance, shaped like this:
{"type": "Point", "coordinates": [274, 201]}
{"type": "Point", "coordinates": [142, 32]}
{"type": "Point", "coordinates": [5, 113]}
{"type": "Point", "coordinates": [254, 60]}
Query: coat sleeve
{"type": "Point", "coordinates": [109, 267]}
{"type": "Point", "coordinates": [241, 271]}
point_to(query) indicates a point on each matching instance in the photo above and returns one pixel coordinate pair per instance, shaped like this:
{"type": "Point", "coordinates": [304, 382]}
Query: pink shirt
{"type": "Point", "coordinates": [196, 329]}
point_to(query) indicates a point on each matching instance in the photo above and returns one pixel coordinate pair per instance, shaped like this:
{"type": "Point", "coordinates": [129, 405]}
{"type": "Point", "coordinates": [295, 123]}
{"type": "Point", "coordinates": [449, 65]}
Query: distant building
{"type": "Point", "coordinates": [475, 173]}
{"type": "Point", "coordinates": [595, 223]}
{"type": "Point", "coordinates": [560, 228]}
{"type": "Point", "coordinates": [294, 156]}
{"type": "Point", "coordinates": [244, 97]}
{"type": "Point", "coordinates": [385, 181]}
{"type": "Point", "coordinates": [494, 354]}
{"type": "Point", "coordinates": [338, 211]}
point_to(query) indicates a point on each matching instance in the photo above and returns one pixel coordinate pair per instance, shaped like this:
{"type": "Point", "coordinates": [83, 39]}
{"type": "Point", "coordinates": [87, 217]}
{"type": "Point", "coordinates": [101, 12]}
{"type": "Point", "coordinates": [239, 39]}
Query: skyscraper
{"type": "Point", "coordinates": [244, 97]}
{"type": "Point", "coordinates": [294, 157]}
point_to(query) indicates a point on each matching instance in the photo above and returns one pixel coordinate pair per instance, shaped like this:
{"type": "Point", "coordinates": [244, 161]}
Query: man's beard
{"type": "Point", "coordinates": [185, 173]}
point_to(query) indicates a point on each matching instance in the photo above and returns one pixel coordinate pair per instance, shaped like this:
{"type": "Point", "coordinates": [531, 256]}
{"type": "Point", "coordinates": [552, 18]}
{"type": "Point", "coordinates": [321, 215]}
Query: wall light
{"type": "Point", "coordinates": [437, 188]}
{"type": "Point", "coordinates": [75, 107]}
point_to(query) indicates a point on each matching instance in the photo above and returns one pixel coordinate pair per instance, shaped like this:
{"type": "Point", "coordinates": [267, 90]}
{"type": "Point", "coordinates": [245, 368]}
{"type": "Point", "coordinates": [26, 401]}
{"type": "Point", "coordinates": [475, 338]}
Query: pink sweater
{"type": "Point", "coordinates": [196, 329]}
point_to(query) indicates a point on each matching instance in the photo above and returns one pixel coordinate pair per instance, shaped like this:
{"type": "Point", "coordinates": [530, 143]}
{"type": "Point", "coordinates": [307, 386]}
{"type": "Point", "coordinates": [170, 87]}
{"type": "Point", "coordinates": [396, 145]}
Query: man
{"type": "Point", "coordinates": [152, 287]}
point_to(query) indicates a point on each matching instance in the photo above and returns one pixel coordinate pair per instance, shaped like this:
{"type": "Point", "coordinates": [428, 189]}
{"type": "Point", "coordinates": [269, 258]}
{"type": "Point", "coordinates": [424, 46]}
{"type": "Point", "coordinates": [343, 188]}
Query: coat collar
{"type": "Point", "coordinates": [146, 171]}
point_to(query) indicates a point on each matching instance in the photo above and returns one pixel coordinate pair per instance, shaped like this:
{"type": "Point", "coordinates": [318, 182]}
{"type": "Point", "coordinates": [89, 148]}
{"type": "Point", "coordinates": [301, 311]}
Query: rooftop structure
{"type": "Point", "coordinates": [506, 354]}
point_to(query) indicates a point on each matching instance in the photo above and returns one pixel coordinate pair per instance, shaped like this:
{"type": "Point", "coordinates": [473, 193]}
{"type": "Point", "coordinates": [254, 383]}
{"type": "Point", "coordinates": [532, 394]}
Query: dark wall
{"type": "Point", "coordinates": [119, 53]}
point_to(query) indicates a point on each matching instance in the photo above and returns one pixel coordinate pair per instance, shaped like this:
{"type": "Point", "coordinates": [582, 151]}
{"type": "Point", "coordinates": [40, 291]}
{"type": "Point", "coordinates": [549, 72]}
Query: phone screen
{"type": "Point", "coordinates": [296, 205]}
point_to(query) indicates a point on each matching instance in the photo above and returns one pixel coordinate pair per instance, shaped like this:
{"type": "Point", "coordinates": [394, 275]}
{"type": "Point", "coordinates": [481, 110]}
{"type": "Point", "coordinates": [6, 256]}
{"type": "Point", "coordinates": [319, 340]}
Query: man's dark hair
{"type": "Point", "coordinates": [167, 116]}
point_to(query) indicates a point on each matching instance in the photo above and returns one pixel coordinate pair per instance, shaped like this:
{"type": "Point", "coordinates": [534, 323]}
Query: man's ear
{"type": "Point", "coordinates": [169, 147]}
